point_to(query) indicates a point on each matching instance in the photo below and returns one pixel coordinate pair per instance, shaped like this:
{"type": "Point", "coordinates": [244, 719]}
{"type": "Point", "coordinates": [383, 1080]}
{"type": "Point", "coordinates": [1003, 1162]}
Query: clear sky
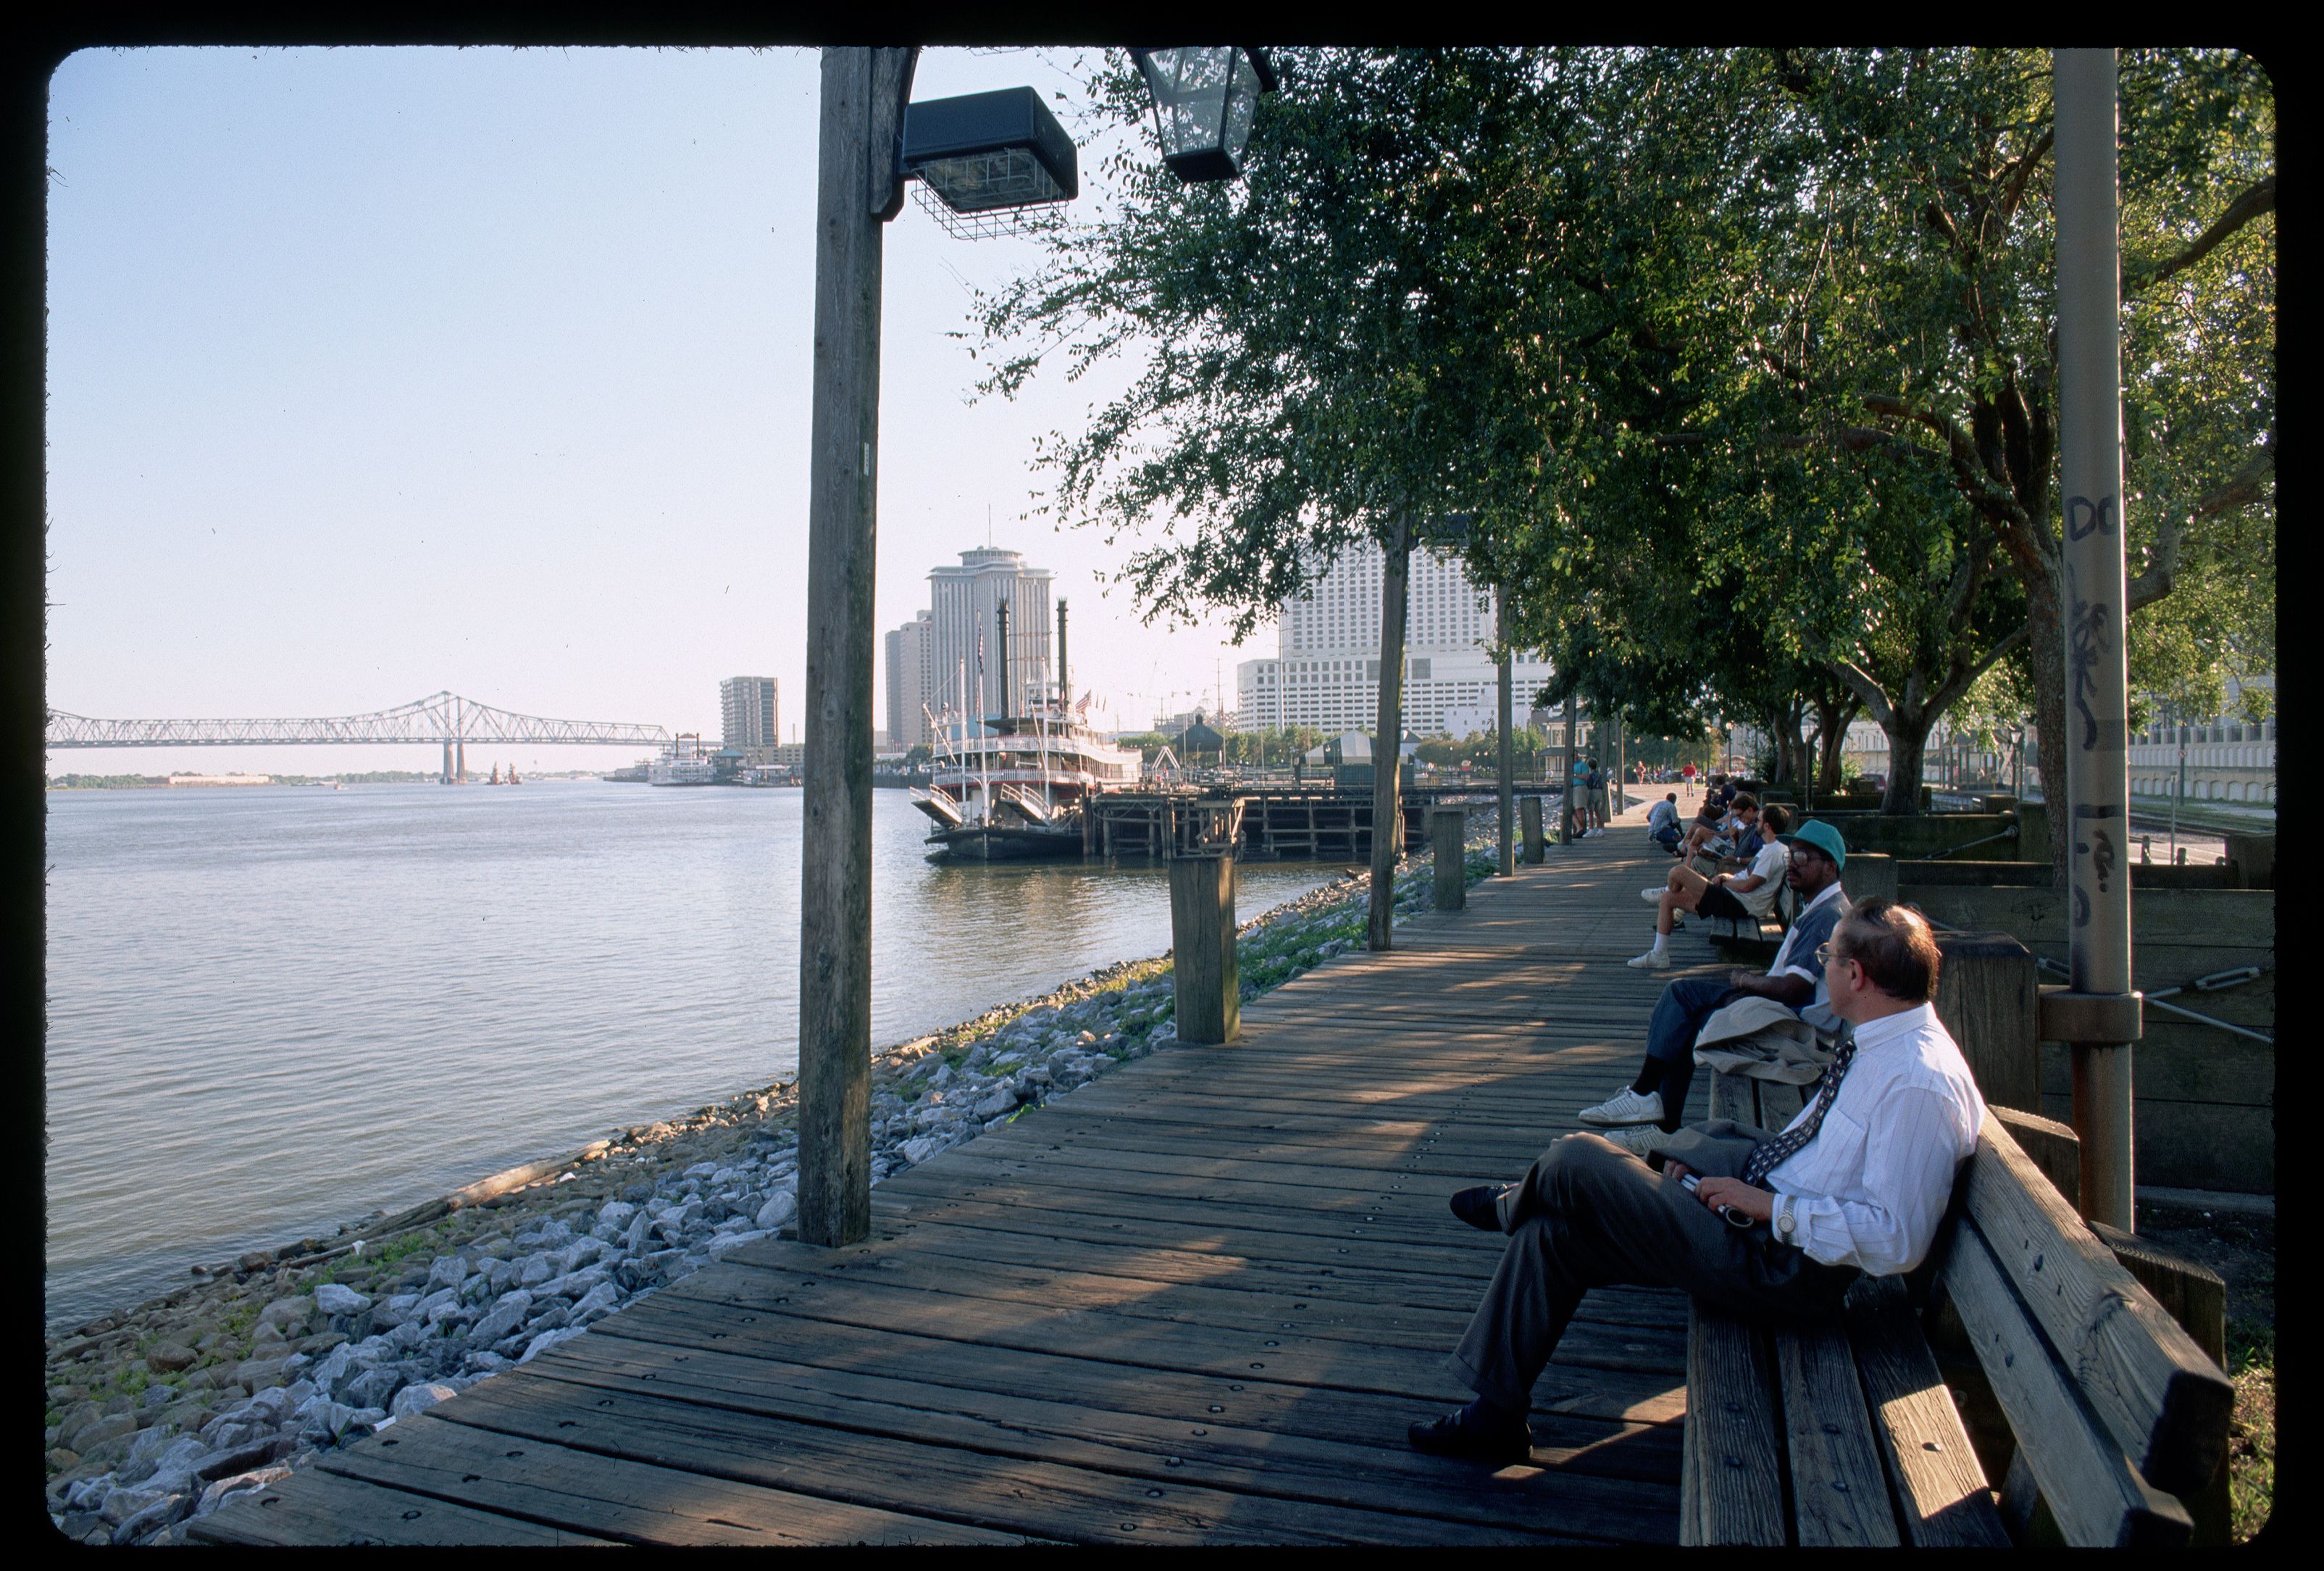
{"type": "Point", "coordinates": [375, 371]}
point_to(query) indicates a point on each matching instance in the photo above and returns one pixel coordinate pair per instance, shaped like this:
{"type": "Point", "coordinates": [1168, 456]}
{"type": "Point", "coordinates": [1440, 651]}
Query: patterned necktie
{"type": "Point", "coordinates": [1772, 1154]}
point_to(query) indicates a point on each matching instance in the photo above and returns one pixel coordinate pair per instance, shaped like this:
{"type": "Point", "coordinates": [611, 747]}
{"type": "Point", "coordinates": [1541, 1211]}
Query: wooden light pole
{"type": "Point", "coordinates": [857, 191]}
{"type": "Point", "coordinates": [1388, 748]}
{"type": "Point", "coordinates": [2099, 1015]}
{"type": "Point", "coordinates": [1509, 865]}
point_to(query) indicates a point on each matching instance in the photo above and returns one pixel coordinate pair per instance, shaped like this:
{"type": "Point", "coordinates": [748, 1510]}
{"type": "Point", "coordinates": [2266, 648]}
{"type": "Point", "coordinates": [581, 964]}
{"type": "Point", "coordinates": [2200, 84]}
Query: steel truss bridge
{"type": "Point", "coordinates": [443, 719]}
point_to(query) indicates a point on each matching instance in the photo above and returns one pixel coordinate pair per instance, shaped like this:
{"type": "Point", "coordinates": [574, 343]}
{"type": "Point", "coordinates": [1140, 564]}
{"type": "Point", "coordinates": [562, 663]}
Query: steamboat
{"type": "Point", "coordinates": [1012, 787]}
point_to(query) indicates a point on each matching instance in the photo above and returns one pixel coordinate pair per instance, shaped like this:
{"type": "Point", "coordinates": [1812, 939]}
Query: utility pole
{"type": "Point", "coordinates": [2102, 1014]}
{"type": "Point", "coordinates": [857, 192]}
{"type": "Point", "coordinates": [1566, 786]}
{"type": "Point", "coordinates": [1387, 750]}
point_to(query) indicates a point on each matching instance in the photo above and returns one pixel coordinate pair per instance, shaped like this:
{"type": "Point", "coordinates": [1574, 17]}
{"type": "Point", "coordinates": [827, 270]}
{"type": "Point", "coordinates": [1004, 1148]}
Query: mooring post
{"type": "Point", "coordinates": [1448, 834]}
{"type": "Point", "coordinates": [1203, 947]}
{"type": "Point", "coordinates": [1529, 814]}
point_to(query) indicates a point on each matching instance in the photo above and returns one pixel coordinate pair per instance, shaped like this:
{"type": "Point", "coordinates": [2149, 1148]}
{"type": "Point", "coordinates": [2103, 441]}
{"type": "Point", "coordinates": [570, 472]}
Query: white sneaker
{"type": "Point", "coordinates": [1653, 896]}
{"type": "Point", "coordinates": [1638, 1139]}
{"type": "Point", "coordinates": [1652, 961]}
{"type": "Point", "coordinates": [1624, 1107]}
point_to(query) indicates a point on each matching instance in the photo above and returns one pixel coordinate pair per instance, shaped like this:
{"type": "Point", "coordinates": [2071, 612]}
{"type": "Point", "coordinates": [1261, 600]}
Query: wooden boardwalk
{"type": "Point", "coordinates": [1195, 1302]}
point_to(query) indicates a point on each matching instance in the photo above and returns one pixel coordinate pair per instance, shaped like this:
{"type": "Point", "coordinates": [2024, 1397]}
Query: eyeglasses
{"type": "Point", "coordinates": [1825, 957]}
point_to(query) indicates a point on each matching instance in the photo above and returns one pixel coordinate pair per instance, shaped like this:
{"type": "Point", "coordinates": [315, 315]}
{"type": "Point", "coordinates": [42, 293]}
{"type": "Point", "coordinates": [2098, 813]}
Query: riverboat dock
{"type": "Point", "coordinates": [1194, 1303]}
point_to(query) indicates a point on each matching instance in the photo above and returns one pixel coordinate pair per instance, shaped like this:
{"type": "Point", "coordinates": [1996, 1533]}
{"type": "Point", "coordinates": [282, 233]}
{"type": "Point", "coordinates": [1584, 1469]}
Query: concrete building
{"type": "Point", "coordinates": [961, 601]}
{"type": "Point", "coordinates": [910, 657]}
{"type": "Point", "coordinates": [750, 712]}
{"type": "Point", "coordinates": [1326, 673]}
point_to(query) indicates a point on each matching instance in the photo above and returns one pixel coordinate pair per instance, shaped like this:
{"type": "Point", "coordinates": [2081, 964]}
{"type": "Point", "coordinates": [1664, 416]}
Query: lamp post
{"type": "Point", "coordinates": [2101, 1015]}
{"type": "Point", "coordinates": [983, 155]}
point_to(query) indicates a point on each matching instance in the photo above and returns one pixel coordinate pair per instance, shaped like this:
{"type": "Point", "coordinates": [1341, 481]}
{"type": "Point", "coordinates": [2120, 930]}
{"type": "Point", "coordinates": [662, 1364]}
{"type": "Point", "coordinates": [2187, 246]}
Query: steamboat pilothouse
{"type": "Point", "coordinates": [1014, 787]}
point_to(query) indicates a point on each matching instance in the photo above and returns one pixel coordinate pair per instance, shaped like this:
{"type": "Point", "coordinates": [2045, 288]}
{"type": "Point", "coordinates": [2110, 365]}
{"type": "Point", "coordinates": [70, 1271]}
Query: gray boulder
{"type": "Point", "coordinates": [448, 1271]}
{"type": "Point", "coordinates": [153, 1518]}
{"type": "Point", "coordinates": [219, 1492]}
{"type": "Point", "coordinates": [417, 1399]}
{"type": "Point", "coordinates": [595, 1304]}
{"type": "Point", "coordinates": [338, 1298]}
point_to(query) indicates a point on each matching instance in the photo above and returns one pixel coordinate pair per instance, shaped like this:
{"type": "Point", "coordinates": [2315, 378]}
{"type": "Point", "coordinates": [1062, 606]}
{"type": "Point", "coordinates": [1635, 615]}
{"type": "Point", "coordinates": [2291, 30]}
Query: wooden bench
{"type": "Point", "coordinates": [1845, 1433]}
{"type": "Point", "coordinates": [1738, 935]}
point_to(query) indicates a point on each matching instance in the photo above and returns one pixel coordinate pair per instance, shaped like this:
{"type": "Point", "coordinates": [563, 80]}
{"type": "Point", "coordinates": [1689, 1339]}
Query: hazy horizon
{"type": "Point", "coordinates": [378, 372]}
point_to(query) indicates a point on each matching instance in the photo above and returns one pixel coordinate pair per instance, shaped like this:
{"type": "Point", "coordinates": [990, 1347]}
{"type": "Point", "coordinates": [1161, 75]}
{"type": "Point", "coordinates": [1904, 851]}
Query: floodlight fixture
{"type": "Point", "coordinates": [1203, 99]}
{"type": "Point", "coordinates": [988, 153]}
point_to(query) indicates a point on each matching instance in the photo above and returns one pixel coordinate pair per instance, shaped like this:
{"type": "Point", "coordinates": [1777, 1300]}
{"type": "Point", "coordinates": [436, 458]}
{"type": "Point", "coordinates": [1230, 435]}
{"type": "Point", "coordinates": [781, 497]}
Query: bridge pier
{"type": "Point", "coordinates": [460, 763]}
{"type": "Point", "coordinates": [446, 777]}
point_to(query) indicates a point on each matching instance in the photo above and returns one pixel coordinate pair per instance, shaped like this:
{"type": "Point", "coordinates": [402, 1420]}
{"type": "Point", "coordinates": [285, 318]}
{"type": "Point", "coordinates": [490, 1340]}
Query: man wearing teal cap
{"type": "Point", "coordinates": [1656, 1099]}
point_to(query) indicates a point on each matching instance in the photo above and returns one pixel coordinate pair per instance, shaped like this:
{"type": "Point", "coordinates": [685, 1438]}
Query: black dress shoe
{"type": "Point", "coordinates": [1475, 1207]}
{"type": "Point", "coordinates": [1474, 1434]}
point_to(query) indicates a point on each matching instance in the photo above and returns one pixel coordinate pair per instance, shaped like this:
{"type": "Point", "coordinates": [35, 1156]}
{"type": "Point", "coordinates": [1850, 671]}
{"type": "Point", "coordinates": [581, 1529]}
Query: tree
{"type": "Point", "coordinates": [1327, 344]}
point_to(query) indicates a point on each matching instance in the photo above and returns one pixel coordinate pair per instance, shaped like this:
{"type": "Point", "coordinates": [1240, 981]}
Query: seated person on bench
{"type": "Point", "coordinates": [1720, 837]}
{"type": "Point", "coordinates": [1744, 897]}
{"type": "Point", "coordinates": [1662, 823]}
{"type": "Point", "coordinates": [1857, 1185]}
{"type": "Point", "coordinates": [1709, 824]}
{"type": "Point", "coordinates": [1659, 1092]}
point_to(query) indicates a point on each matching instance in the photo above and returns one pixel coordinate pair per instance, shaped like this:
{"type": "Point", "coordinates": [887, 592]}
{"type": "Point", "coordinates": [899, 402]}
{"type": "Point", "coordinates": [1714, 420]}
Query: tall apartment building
{"type": "Point", "coordinates": [962, 599]}
{"type": "Point", "coordinates": [912, 663]}
{"type": "Point", "coordinates": [750, 712]}
{"type": "Point", "coordinates": [1326, 673]}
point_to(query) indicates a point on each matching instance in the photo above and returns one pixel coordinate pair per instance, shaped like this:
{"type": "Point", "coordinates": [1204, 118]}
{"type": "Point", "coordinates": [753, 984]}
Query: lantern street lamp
{"type": "Point", "coordinates": [981, 158]}
{"type": "Point", "coordinates": [1203, 99]}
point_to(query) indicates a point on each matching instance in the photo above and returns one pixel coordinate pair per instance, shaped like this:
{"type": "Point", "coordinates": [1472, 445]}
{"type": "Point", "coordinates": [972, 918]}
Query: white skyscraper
{"type": "Point", "coordinates": [1327, 673]}
{"type": "Point", "coordinates": [961, 600]}
{"type": "Point", "coordinates": [911, 656]}
{"type": "Point", "coordinates": [750, 712]}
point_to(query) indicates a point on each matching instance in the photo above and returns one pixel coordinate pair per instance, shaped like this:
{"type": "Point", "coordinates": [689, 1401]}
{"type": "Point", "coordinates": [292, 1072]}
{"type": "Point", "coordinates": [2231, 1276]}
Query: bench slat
{"type": "Point", "coordinates": [2164, 1402]}
{"type": "Point", "coordinates": [1839, 1493]}
{"type": "Point", "coordinates": [2098, 1499]}
{"type": "Point", "coordinates": [1939, 1490]}
{"type": "Point", "coordinates": [1731, 1488]}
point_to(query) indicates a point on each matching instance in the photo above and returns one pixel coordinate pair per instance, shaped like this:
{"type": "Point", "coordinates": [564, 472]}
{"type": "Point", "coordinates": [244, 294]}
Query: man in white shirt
{"type": "Point", "coordinates": [1746, 896]}
{"type": "Point", "coordinates": [1857, 1185]}
{"type": "Point", "coordinates": [1662, 822]}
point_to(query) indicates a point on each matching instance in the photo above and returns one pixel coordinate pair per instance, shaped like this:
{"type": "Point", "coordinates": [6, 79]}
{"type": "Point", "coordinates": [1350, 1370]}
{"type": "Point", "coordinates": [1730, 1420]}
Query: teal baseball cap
{"type": "Point", "coordinates": [1822, 836]}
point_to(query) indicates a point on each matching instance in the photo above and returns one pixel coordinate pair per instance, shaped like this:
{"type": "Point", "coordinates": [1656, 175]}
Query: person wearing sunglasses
{"type": "Point", "coordinates": [1856, 1185]}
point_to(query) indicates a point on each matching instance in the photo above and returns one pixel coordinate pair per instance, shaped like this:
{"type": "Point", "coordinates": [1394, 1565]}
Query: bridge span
{"type": "Point", "coordinates": [443, 718]}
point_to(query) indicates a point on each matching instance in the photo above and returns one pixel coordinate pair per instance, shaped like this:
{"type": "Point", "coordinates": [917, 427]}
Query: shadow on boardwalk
{"type": "Point", "coordinates": [1196, 1302]}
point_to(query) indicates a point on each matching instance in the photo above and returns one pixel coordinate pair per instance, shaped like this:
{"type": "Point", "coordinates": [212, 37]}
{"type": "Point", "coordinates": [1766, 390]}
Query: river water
{"type": "Point", "coordinates": [273, 1008]}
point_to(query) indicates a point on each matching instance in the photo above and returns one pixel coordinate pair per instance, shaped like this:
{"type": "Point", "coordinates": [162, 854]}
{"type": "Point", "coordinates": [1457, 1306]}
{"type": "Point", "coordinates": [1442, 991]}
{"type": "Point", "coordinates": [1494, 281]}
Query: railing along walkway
{"type": "Point", "coordinates": [1195, 1302]}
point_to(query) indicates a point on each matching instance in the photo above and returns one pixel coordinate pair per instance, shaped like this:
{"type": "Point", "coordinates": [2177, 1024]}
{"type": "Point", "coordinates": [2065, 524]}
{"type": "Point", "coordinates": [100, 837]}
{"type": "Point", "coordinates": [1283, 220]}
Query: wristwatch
{"type": "Point", "coordinates": [1784, 1225]}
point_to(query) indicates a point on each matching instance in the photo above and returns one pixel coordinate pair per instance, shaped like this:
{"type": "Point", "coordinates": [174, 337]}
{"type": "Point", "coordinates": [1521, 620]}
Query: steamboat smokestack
{"type": "Point", "coordinates": [1065, 682]}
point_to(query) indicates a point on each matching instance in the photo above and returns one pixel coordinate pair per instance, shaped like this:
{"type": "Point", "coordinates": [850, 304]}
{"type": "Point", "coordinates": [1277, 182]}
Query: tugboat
{"type": "Point", "coordinates": [1015, 786]}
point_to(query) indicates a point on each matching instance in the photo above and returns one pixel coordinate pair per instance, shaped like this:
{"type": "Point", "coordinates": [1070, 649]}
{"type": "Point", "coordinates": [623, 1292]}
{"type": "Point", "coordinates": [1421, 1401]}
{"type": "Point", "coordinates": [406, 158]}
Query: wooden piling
{"type": "Point", "coordinates": [1202, 949]}
{"type": "Point", "coordinates": [1529, 814]}
{"type": "Point", "coordinates": [1988, 997]}
{"type": "Point", "coordinates": [1448, 832]}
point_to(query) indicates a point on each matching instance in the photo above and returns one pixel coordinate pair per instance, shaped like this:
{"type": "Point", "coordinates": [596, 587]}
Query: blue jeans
{"type": "Point", "coordinates": [1678, 1016]}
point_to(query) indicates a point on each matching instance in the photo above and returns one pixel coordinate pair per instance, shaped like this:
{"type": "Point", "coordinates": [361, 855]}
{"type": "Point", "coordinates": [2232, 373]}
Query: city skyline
{"type": "Point", "coordinates": [380, 372]}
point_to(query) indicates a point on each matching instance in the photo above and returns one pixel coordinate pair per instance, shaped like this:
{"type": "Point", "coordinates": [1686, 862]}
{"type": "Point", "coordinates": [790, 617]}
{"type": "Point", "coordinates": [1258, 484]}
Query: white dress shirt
{"type": "Point", "coordinates": [1872, 1186]}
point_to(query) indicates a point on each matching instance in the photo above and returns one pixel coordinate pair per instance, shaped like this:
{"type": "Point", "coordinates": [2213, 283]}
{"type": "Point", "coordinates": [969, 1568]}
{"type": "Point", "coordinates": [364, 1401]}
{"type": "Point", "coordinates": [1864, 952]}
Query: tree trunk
{"type": "Point", "coordinates": [2046, 634]}
{"type": "Point", "coordinates": [1388, 806]}
{"type": "Point", "coordinates": [1833, 721]}
{"type": "Point", "coordinates": [1908, 740]}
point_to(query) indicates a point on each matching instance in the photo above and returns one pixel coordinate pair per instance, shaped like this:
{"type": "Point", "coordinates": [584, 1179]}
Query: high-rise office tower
{"type": "Point", "coordinates": [911, 667]}
{"type": "Point", "coordinates": [961, 600]}
{"type": "Point", "coordinates": [750, 712]}
{"type": "Point", "coordinates": [1327, 673]}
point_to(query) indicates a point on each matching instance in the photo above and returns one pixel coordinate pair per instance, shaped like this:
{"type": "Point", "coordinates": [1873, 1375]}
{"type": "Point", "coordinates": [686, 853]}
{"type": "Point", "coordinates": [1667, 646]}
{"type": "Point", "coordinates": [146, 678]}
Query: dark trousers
{"type": "Point", "coordinates": [1678, 1017]}
{"type": "Point", "coordinates": [1590, 1214]}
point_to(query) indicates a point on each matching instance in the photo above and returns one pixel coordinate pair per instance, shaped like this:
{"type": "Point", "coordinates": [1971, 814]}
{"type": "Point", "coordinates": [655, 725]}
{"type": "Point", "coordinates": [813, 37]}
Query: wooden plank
{"type": "Point", "coordinates": [1734, 1488]}
{"type": "Point", "coordinates": [1839, 1493]}
{"type": "Point", "coordinates": [315, 1509]}
{"type": "Point", "coordinates": [1136, 1400]}
{"type": "Point", "coordinates": [2165, 1403]}
{"type": "Point", "coordinates": [2100, 1499]}
{"type": "Point", "coordinates": [1938, 1491]}
{"type": "Point", "coordinates": [614, 1498]}
{"type": "Point", "coordinates": [1376, 1472]}
{"type": "Point", "coordinates": [1037, 1498]}
{"type": "Point", "coordinates": [2055, 1148]}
